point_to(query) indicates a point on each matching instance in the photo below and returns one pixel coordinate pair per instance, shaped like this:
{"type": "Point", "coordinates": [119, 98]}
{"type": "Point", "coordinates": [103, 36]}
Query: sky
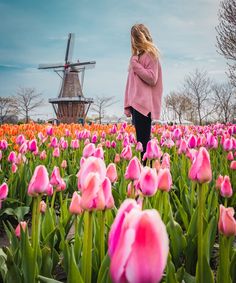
{"type": "Point", "coordinates": [34, 32]}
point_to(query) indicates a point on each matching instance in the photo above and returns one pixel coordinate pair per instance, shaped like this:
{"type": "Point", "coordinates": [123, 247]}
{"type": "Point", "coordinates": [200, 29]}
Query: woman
{"type": "Point", "coordinates": [144, 84]}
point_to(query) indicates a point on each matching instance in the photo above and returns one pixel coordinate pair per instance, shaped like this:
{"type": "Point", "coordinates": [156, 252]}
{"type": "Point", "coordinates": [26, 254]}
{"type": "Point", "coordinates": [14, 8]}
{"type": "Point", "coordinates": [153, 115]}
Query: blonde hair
{"type": "Point", "coordinates": [142, 41]}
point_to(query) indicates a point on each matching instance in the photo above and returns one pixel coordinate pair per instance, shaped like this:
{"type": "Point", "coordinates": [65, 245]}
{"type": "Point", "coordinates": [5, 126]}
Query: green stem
{"type": "Point", "coordinates": [201, 207]}
{"type": "Point", "coordinates": [224, 260]}
{"type": "Point", "coordinates": [53, 199]}
{"type": "Point", "coordinates": [102, 235]}
{"type": "Point", "coordinates": [87, 247]}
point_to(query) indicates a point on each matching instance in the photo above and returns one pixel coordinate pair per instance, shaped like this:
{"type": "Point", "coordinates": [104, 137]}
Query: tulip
{"type": "Point", "coordinates": [126, 153]}
{"type": "Point", "coordinates": [152, 151]}
{"type": "Point", "coordinates": [32, 145]}
{"type": "Point", "coordinates": [164, 179]}
{"type": "Point", "coordinates": [219, 181]}
{"type": "Point", "coordinates": [56, 179]}
{"type": "Point", "coordinates": [92, 195]}
{"type": "Point", "coordinates": [233, 165]}
{"type": "Point", "coordinates": [192, 142]}
{"type": "Point", "coordinates": [88, 150]}
{"type": "Point", "coordinates": [111, 172]}
{"type": "Point", "coordinates": [14, 168]}
{"type": "Point", "coordinates": [43, 155]}
{"type": "Point", "coordinates": [23, 226]}
{"type": "Point", "coordinates": [74, 144]}
{"type": "Point", "coordinates": [12, 157]}
{"type": "Point", "coordinates": [148, 181]}
{"type": "Point", "coordinates": [116, 227]}
{"type": "Point", "coordinates": [106, 187]}
{"type": "Point", "coordinates": [91, 165]}
{"type": "Point", "coordinates": [3, 192]}
{"type": "Point", "coordinates": [142, 248]}
{"type": "Point", "coordinates": [94, 138]}
{"type": "Point", "coordinates": [67, 132]}
{"type": "Point", "coordinates": [56, 152]}
{"type": "Point", "coordinates": [139, 147]}
{"type": "Point", "coordinates": [23, 148]}
{"type": "Point", "coordinates": [226, 188]}
{"type": "Point", "coordinates": [133, 169]}
{"type": "Point", "coordinates": [42, 206]}
{"type": "Point", "coordinates": [99, 153]}
{"type": "Point", "coordinates": [200, 170]}
{"type": "Point", "coordinates": [228, 144]}
{"type": "Point", "coordinates": [230, 156]}
{"type": "Point", "coordinates": [49, 131]}
{"type": "Point", "coordinates": [113, 144]}
{"type": "Point", "coordinates": [156, 165]}
{"type": "Point", "coordinates": [64, 164]}
{"type": "Point", "coordinates": [20, 139]}
{"type": "Point", "coordinates": [165, 161]}
{"type": "Point", "coordinates": [54, 142]}
{"type": "Point", "coordinates": [117, 158]}
{"type": "Point", "coordinates": [125, 141]}
{"type": "Point", "coordinates": [64, 144]}
{"type": "Point", "coordinates": [39, 182]}
{"type": "Point", "coordinates": [3, 145]}
{"type": "Point", "coordinates": [75, 205]}
{"type": "Point", "coordinates": [227, 223]}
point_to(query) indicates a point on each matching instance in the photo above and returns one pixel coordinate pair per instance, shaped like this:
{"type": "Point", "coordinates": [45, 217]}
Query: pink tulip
{"type": "Point", "coordinates": [156, 165]}
{"type": "Point", "coordinates": [152, 151]}
{"type": "Point", "coordinates": [130, 187]}
{"type": "Point", "coordinates": [12, 157]}
{"type": "Point", "coordinates": [165, 160]}
{"type": "Point", "coordinates": [200, 170]}
{"type": "Point", "coordinates": [94, 138]}
{"type": "Point", "coordinates": [49, 131]}
{"type": "Point", "coordinates": [113, 129]}
{"type": "Point", "coordinates": [126, 153]}
{"type": "Point", "coordinates": [39, 182]}
{"type": "Point", "coordinates": [56, 152]}
{"type": "Point", "coordinates": [54, 142]}
{"type": "Point", "coordinates": [88, 150]}
{"type": "Point", "coordinates": [133, 169]}
{"type": "Point", "coordinates": [142, 248]}
{"type": "Point", "coordinates": [177, 133]}
{"type": "Point", "coordinates": [119, 137]}
{"type": "Point", "coordinates": [230, 156]}
{"type": "Point", "coordinates": [56, 179]}
{"type": "Point", "coordinates": [227, 223]}
{"type": "Point", "coordinates": [64, 144]}
{"type": "Point", "coordinates": [148, 181]}
{"type": "Point", "coordinates": [113, 144]}
{"type": "Point", "coordinates": [108, 144]}
{"type": "Point", "coordinates": [139, 147]}
{"type": "Point", "coordinates": [226, 188]}
{"type": "Point", "coordinates": [67, 132]}
{"type": "Point", "coordinates": [32, 145]}
{"type": "Point", "coordinates": [219, 181]}
{"type": "Point", "coordinates": [23, 148]}
{"type": "Point", "coordinates": [20, 139]}
{"type": "Point", "coordinates": [23, 226]}
{"type": "Point", "coordinates": [91, 165]}
{"type": "Point", "coordinates": [192, 142]}
{"type": "Point", "coordinates": [106, 187]}
{"type": "Point", "coordinates": [116, 227]}
{"type": "Point", "coordinates": [183, 146]}
{"type": "Point", "coordinates": [74, 144]}
{"type": "Point", "coordinates": [3, 192]}
{"type": "Point", "coordinates": [75, 205]}
{"type": "Point", "coordinates": [3, 145]}
{"type": "Point", "coordinates": [164, 179]}
{"type": "Point", "coordinates": [233, 165]}
{"type": "Point", "coordinates": [92, 195]}
{"type": "Point", "coordinates": [111, 172]}
{"type": "Point", "coordinates": [43, 155]}
{"type": "Point", "coordinates": [117, 158]}
{"type": "Point", "coordinates": [103, 135]}
{"type": "Point", "coordinates": [14, 168]}
{"type": "Point", "coordinates": [99, 153]}
{"type": "Point", "coordinates": [42, 206]}
{"type": "Point", "coordinates": [64, 164]}
{"type": "Point", "coordinates": [228, 144]}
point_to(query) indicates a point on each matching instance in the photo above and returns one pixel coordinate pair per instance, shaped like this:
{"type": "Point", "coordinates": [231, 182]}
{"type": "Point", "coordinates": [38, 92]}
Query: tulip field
{"type": "Point", "coordinates": [77, 204]}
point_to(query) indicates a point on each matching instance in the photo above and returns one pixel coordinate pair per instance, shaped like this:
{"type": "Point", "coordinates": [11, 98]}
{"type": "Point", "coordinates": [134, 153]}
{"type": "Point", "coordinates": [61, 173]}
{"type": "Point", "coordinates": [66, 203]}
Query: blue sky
{"type": "Point", "coordinates": [33, 32]}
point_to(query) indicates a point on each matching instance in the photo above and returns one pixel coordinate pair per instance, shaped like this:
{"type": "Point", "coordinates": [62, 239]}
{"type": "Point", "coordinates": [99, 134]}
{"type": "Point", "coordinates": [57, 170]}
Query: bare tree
{"type": "Point", "coordinates": [7, 107]}
{"type": "Point", "coordinates": [26, 100]}
{"type": "Point", "coordinates": [226, 39]}
{"type": "Point", "coordinates": [100, 104]}
{"type": "Point", "coordinates": [224, 98]}
{"type": "Point", "coordinates": [179, 104]}
{"type": "Point", "coordinates": [197, 88]}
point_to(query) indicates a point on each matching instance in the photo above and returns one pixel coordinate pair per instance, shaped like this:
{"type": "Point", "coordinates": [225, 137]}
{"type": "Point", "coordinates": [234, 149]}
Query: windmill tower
{"type": "Point", "coordinates": [71, 106]}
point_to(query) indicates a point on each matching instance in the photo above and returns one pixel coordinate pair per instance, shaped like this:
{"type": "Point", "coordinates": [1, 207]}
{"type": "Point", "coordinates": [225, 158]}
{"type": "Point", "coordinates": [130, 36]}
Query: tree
{"type": "Point", "coordinates": [100, 104]}
{"type": "Point", "coordinates": [7, 108]}
{"type": "Point", "coordinates": [224, 99]}
{"type": "Point", "coordinates": [179, 104]}
{"type": "Point", "coordinates": [26, 100]}
{"type": "Point", "coordinates": [226, 39]}
{"type": "Point", "coordinates": [197, 88]}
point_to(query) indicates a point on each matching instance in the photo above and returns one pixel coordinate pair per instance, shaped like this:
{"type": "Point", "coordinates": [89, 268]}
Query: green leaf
{"type": "Point", "coordinates": [46, 268]}
{"type": "Point", "coordinates": [48, 223]}
{"type": "Point", "coordinates": [103, 273]}
{"type": "Point", "coordinates": [170, 271]}
{"type": "Point", "coordinates": [74, 275]}
{"type": "Point", "coordinates": [208, 274]}
{"type": "Point", "coordinates": [233, 267]}
{"type": "Point", "coordinates": [182, 212]}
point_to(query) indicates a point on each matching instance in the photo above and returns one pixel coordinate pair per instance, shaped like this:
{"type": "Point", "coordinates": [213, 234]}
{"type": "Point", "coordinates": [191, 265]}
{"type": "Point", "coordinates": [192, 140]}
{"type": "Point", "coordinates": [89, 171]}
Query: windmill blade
{"type": "Point", "coordinates": [69, 48]}
{"type": "Point", "coordinates": [83, 65]}
{"type": "Point", "coordinates": [51, 66]}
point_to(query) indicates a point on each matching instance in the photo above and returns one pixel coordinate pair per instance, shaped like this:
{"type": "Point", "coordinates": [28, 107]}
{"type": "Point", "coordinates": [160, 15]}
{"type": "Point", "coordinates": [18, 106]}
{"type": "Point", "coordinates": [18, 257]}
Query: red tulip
{"type": "Point", "coordinates": [200, 170]}
{"type": "Point", "coordinates": [227, 223]}
{"type": "Point", "coordinates": [75, 205]}
{"type": "Point", "coordinates": [142, 248]}
{"type": "Point", "coordinates": [148, 181]}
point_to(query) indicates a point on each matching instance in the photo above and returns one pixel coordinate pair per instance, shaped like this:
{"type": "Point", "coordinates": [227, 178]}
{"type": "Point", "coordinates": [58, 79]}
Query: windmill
{"type": "Point", "coordinates": [71, 106]}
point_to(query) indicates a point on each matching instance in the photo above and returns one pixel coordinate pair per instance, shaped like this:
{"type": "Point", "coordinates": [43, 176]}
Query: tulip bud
{"type": "Point", "coordinates": [133, 169]}
{"type": "Point", "coordinates": [226, 188]}
{"type": "Point", "coordinates": [227, 223]}
{"type": "Point", "coordinates": [43, 206]}
{"type": "Point", "coordinates": [111, 172]}
{"type": "Point", "coordinates": [75, 205]}
{"type": "Point", "coordinates": [23, 225]}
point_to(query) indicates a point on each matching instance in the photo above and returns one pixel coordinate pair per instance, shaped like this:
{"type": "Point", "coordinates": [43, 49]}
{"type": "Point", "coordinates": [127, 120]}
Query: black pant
{"type": "Point", "coordinates": [142, 126]}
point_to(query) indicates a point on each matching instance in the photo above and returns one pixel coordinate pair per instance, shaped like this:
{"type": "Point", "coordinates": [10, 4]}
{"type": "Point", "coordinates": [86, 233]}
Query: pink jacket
{"type": "Point", "coordinates": [144, 86]}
